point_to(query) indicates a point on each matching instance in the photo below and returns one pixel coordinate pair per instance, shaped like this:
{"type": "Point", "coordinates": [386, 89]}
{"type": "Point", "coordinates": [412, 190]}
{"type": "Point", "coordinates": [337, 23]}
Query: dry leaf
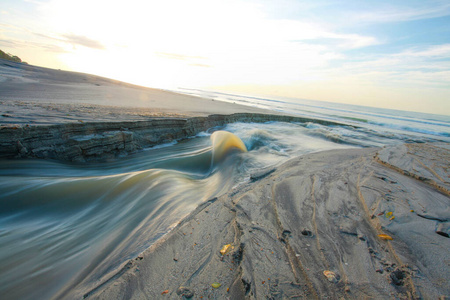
{"type": "Point", "coordinates": [385, 237]}
{"type": "Point", "coordinates": [226, 248]}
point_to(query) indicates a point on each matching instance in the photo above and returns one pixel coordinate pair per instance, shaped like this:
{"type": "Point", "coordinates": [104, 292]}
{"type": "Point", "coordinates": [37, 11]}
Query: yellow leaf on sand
{"type": "Point", "coordinates": [216, 285]}
{"type": "Point", "coordinates": [388, 214]}
{"type": "Point", "coordinates": [385, 237]}
{"type": "Point", "coordinates": [225, 249]}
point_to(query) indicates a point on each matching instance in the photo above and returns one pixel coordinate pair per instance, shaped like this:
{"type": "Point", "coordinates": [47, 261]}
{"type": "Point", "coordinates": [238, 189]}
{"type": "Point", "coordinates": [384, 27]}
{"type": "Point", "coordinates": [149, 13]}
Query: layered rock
{"type": "Point", "coordinates": [99, 141]}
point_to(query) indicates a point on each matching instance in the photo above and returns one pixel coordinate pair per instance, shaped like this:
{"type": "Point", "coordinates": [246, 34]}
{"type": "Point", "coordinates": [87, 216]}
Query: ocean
{"type": "Point", "coordinates": [402, 124]}
{"type": "Point", "coordinates": [64, 227]}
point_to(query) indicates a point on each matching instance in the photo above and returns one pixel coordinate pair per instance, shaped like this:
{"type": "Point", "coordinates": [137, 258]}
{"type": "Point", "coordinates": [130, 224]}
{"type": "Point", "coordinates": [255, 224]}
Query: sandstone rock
{"type": "Point", "coordinates": [99, 141]}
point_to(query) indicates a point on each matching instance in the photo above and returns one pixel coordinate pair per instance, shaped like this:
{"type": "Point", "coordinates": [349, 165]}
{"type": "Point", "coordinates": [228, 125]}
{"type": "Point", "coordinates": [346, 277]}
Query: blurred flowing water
{"type": "Point", "coordinates": [64, 227]}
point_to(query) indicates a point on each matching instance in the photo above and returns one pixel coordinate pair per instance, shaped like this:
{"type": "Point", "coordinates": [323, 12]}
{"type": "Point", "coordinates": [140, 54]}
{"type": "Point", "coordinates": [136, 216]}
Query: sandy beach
{"type": "Point", "coordinates": [40, 96]}
{"type": "Point", "coordinates": [357, 223]}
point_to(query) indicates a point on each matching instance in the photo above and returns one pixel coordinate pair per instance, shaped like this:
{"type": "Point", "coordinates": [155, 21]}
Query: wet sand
{"type": "Point", "coordinates": [289, 226]}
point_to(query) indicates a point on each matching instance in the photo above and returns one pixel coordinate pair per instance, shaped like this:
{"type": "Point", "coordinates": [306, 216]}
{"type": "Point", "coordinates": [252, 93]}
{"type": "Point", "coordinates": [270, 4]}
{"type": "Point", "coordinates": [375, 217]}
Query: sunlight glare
{"type": "Point", "coordinates": [173, 43]}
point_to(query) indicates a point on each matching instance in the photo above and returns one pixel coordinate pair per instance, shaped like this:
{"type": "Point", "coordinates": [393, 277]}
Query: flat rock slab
{"type": "Point", "coordinates": [429, 162]}
{"type": "Point", "coordinates": [310, 230]}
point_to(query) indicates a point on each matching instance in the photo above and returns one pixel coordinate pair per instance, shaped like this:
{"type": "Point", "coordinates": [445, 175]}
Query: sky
{"type": "Point", "coordinates": [392, 54]}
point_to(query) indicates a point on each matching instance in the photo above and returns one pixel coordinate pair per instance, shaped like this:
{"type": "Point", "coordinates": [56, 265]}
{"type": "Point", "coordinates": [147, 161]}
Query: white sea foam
{"type": "Point", "coordinates": [403, 123]}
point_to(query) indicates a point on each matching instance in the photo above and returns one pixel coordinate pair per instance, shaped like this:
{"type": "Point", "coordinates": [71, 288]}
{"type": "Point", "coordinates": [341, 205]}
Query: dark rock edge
{"type": "Point", "coordinates": [99, 141]}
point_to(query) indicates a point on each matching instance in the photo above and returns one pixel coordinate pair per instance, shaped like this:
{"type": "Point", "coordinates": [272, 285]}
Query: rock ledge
{"type": "Point", "coordinates": [82, 142]}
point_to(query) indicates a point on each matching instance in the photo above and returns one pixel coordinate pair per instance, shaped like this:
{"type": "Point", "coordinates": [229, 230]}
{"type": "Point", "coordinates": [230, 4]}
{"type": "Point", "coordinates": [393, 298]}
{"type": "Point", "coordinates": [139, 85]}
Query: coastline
{"type": "Point", "coordinates": [69, 116]}
{"type": "Point", "coordinates": [320, 212]}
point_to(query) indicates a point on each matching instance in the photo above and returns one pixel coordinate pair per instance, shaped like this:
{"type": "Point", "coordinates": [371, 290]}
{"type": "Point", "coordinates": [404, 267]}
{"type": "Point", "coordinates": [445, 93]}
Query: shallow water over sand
{"type": "Point", "coordinates": [66, 225]}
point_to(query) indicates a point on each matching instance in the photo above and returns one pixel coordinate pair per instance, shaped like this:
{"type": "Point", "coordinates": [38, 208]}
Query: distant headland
{"type": "Point", "coordinates": [9, 56]}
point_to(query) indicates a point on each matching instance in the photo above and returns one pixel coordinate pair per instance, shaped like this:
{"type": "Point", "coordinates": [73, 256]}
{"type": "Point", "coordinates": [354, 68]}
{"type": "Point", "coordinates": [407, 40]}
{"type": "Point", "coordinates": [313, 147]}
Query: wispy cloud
{"type": "Point", "coordinates": [414, 67]}
{"type": "Point", "coordinates": [350, 41]}
{"type": "Point", "coordinates": [52, 48]}
{"type": "Point", "coordinates": [17, 44]}
{"type": "Point", "coordinates": [435, 51]}
{"type": "Point", "coordinates": [433, 57]}
{"type": "Point", "coordinates": [83, 41]}
{"type": "Point", "coordinates": [401, 14]}
{"type": "Point", "coordinates": [11, 28]}
{"type": "Point", "coordinates": [69, 39]}
{"type": "Point", "coordinates": [35, 2]}
{"type": "Point", "coordinates": [9, 43]}
{"type": "Point", "coordinates": [45, 42]}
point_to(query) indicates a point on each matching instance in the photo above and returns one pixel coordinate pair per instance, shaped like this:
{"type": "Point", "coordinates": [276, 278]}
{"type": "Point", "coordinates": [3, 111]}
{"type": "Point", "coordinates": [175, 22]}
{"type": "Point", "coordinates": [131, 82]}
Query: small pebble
{"type": "Point", "coordinates": [186, 292]}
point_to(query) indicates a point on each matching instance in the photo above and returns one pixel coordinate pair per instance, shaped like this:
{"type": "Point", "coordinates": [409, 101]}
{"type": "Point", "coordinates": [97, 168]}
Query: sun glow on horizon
{"type": "Point", "coordinates": [204, 47]}
{"type": "Point", "coordinates": [293, 48]}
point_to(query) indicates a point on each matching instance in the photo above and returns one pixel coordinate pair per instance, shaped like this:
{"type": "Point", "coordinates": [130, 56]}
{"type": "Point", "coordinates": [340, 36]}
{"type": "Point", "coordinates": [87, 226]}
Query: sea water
{"type": "Point", "coordinates": [382, 120]}
{"type": "Point", "coordinates": [65, 227]}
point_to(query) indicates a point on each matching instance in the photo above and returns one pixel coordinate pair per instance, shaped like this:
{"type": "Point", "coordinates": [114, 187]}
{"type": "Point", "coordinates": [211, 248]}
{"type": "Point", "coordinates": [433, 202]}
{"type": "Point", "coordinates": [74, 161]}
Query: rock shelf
{"type": "Point", "coordinates": [96, 141]}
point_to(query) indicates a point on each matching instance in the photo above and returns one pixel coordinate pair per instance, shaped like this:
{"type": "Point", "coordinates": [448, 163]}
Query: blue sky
{"type": "Point", "coordinates": [393, 54]}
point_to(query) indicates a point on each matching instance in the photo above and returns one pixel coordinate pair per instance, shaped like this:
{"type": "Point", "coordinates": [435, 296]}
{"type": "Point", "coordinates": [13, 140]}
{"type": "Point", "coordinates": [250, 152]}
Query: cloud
{"type": "Point", "coordinates": [9, 43]}
{"type": "Point", "coordinates": [402, 14]}
{"type": "Point", "coordinates": [18, 44]}
{"type": "Point", "coordinates": [431, 58]}
{"type": "Point", "coordinates": [83, 41]}
{"type": "Point", "coordinates": [434, 51]}
{"type": "Point", "coordinates": [35, 2]}
{"type": "Point", "coordinates": [42, 41]}
{"type": "Point", "coordinates": [425, 67]}
{"type": "Point", "coordinates": [311, 32]}
{"type": "Point", "coordinates": [343, 41]}
{"type": "Point", "coordinates": [52, 48]}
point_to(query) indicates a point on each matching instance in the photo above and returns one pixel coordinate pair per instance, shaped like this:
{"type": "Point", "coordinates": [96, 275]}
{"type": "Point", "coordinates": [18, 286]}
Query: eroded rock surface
{"type": "Point", "coordinates": [104, 140]}
{"type": "Point", "coordinates": [320, 212]}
